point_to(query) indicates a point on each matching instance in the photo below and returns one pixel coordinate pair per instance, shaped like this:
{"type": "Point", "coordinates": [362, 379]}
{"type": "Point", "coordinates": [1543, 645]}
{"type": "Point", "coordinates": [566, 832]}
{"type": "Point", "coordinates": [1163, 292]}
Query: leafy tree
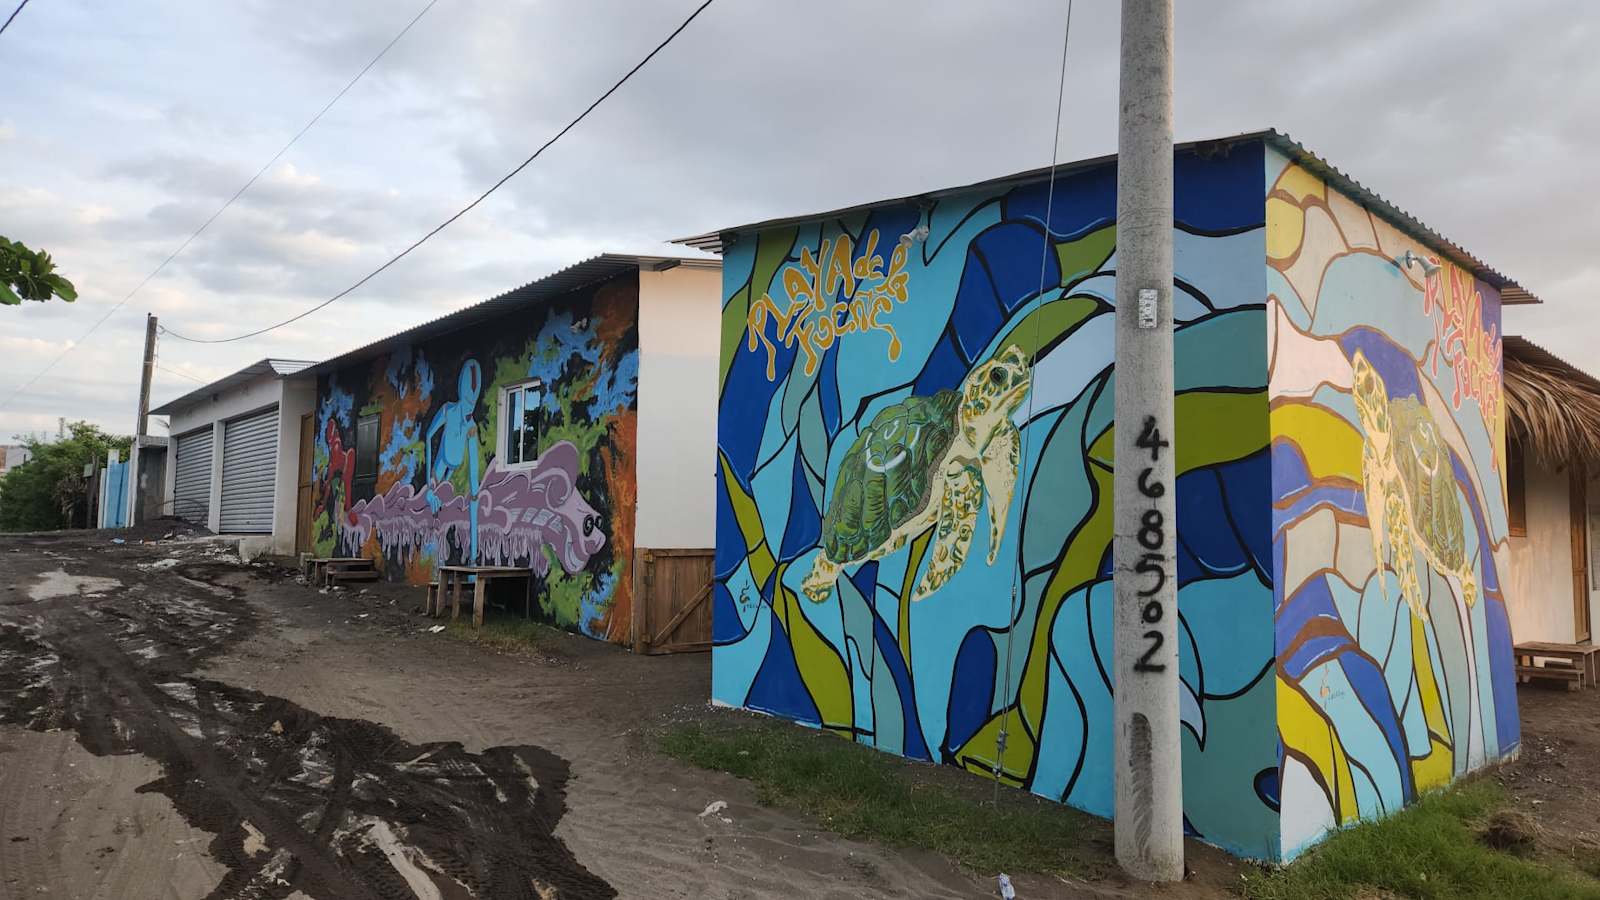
{"type": "Point", "coordinates": [40, 494]}
{"type": "Point", "coordinates": [30, 275]}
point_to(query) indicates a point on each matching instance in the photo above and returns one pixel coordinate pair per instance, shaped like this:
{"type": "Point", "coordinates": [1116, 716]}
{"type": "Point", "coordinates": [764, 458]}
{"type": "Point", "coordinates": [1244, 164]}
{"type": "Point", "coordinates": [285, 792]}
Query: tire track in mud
{"type": "Point", "coordinates": [334, 808]}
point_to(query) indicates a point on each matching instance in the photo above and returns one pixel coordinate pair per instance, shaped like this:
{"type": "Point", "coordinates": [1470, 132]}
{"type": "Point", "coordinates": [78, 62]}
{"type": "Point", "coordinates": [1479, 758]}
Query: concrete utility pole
{"type": "Point", "coordinates": [1149, 757]}
{"type": "Point", "coordinates": [148, 372]}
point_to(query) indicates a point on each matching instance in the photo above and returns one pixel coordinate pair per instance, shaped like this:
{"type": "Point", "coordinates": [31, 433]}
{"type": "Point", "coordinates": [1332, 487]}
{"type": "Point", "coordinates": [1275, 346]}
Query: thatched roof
{"type": "Point", "coordinates": [1553, 406]}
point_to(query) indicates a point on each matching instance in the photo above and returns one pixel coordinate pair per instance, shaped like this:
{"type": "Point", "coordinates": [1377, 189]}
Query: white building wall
{"type": "Point", "coordinates": [213, 412]}
{"type": "Point", "coordinates": [299, 399]}
{"type": "Point", "coordinates": [1539, 591]}
{"type": "Point", "coordinates": [680, 329]}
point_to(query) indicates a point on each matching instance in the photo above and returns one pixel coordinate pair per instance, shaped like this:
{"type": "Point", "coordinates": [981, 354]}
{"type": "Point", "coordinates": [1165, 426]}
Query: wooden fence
{"type": "Point", "coordinates": [672, 601]}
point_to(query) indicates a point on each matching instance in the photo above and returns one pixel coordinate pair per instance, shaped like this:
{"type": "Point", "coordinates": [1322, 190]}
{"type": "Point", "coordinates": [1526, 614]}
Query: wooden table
{"type": "Point", "coordinates": [1585, 660]}
{"type": "Point", "coordinates": [453, 580]}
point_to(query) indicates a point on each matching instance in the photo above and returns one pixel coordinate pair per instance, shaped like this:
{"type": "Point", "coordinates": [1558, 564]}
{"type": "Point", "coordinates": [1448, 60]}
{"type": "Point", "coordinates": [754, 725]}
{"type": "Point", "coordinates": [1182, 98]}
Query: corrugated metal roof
{"type": "Point", "coordinates": [1510, 291]}
{"type": "Point", "coordinates": [590, 271]}
{"type": "Point", "coordinates": [278, 367]}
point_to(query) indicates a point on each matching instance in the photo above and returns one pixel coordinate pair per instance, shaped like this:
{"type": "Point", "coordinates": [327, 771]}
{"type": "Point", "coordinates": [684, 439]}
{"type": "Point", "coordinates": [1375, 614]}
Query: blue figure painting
{"type": "Point", "coordinates": [456, 432]}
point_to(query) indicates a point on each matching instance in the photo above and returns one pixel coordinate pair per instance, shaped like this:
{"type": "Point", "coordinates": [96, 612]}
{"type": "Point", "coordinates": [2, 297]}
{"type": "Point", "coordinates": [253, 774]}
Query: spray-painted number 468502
{"type": "Point", "coordinates": [1152, 536]}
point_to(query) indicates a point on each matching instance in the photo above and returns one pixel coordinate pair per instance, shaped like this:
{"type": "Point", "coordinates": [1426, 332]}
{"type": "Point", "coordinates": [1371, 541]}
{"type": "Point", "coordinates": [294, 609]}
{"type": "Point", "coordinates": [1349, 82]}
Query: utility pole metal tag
{"type": "Point", "coordinates": [1148, 304]}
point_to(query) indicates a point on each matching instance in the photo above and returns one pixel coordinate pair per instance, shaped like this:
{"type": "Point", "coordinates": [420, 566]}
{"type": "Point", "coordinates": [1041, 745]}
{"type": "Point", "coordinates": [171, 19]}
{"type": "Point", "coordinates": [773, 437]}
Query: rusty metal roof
{"type": "Point", "coordinates": [579, 275]}
{"type": "Point", "coordinates": [1510, 291]}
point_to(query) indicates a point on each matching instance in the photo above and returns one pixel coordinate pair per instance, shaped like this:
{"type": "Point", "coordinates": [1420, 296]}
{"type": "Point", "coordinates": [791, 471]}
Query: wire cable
{"type": "Point", "coordinates": [12, 16]}
{"type": "Point", "coordinates": [182, 374]}
{"type": "Point", "coordinates": [1033, 360]}
{"type": "Point", "coordinates": [465, 209]}
{"type": "Point", "coordinates": [207, 223]}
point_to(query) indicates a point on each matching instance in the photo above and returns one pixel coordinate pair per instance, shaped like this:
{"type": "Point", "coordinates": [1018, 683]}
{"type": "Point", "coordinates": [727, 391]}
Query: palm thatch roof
{"type": "Point", "coordinates": [1553, 406]}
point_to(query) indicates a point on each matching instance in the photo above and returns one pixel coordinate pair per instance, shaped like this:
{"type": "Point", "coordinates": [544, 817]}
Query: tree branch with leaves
{"type": "Point", "coordinates": [30, 275]}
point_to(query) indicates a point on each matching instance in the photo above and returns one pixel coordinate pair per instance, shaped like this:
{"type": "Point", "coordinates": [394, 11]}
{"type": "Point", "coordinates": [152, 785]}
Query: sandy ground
{"type": "Point", "coordinates": [196, 729]}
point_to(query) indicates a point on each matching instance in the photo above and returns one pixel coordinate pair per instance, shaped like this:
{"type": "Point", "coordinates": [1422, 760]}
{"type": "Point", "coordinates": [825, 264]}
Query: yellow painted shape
{"type": "Point", "coordinates": [978, 754]}
{"type": "Point", "coordinates": [919, 546]}
{"type": "Point", "coordinates": [1303, 729]}
{"type": "Point", "coordinates": [1286, 229]}
{"type": "Point", "coordinates": [1331, 445]}
{"type": "Point", "coordinates": [1085, 255]}
{"type": "Point", "coordinates": [772, 248]}
{"type": "Point", "coordinates": [758, 554]}
{"type": "Point", "coordinates": [821, 668]}
{"type": "Point", "coordinates": [1049, 322]}
{"type": "Point", "coordinates": [1213, 427]}
{"type": "Point", "coordinates": [1300, 184]}
{"type": "Point", "coordinates": [1435, 769]}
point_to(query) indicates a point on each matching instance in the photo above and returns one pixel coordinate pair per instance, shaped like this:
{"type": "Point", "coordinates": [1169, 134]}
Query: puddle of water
{"type": "Point", "coordinates": [60, 584]}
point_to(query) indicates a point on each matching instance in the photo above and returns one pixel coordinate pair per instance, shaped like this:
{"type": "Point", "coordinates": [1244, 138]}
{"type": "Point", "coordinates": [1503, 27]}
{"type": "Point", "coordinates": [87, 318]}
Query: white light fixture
{"type": "Point", "coordinates": [1406, 259]}
{"type": "Point", "coordinates": [918, 234]}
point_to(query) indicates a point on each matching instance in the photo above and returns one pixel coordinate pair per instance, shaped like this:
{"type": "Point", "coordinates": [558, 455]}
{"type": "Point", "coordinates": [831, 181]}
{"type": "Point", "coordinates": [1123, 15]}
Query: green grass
{"type": "Point", "coordinates": [1430, 850]}
{"type": "Point", "coordinates": [507, 635]}
{"type": "Point", "coordinates": [859, 792]}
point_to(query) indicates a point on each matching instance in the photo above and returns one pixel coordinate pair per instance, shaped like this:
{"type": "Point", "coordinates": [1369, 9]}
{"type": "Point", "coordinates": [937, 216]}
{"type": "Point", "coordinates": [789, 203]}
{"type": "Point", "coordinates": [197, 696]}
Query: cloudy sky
{"type": "Point", "coordinates": [125, 125]}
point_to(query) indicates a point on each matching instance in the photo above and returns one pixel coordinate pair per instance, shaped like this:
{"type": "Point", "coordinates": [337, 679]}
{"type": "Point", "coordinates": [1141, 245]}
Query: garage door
{"type": "Point", "coordinates": [249, 467]}
{"type": "Point", "coordinates": [191, 493]}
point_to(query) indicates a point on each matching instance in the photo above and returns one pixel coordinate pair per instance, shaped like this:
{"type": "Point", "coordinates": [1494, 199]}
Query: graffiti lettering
{"type": "Point", "coordinates": [830, 296]}
{"type": "Point", "coordinates": [1451, 299]}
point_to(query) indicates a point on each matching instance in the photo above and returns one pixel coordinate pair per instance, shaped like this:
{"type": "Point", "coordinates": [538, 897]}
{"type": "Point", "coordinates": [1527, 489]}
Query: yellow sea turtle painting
{"type": "Point", "coordinates": [1410, 489]}
{"type": "Point", "coordinates": [925, 463]}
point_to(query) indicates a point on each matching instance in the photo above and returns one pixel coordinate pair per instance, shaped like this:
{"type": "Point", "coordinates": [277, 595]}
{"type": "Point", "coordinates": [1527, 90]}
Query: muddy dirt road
{"type": "Point", "coordinates": [174, 725]}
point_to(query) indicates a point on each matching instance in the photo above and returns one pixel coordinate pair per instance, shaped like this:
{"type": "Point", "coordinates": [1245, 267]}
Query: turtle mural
{"type": "Point", "coordinates": [1410, 488]}
{"type": "Point", "coordinates": [925, 463]}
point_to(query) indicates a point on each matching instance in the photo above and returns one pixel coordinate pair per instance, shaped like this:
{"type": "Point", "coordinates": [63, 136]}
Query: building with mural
{"type": "Point", "coordinates": [914, 471]}
{"type": "Point", "coordinates": [566, 426]}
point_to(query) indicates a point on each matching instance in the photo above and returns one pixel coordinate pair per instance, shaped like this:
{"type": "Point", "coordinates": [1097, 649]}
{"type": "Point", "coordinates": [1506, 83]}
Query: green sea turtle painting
{"type": "Point", "coordinates": [926, 463]}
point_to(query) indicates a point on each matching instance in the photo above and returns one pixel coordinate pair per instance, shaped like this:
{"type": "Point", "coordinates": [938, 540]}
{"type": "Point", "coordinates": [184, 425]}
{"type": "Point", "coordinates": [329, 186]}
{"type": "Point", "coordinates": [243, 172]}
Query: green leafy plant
{"type": "Point", "coordinates": [43, 493]}
{"type": "Point", "coordinates": [30, 275]}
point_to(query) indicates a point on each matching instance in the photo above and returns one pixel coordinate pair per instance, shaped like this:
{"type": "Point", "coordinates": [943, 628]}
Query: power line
{"type": "Point", "coordinates": [207, 223]}
{"type": "Point", "coordinates": [181, 374]}
{"type": "Point", "coordinates": [12, 16]}
{"type": "Point", "coordinates": [465, 209]}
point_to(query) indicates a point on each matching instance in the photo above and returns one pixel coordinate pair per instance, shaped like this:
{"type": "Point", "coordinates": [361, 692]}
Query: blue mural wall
{"type": "Point", "coordinates": [914, 517]}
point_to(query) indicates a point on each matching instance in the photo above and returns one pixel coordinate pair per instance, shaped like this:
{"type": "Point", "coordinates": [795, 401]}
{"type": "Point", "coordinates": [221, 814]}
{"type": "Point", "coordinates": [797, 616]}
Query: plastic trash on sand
{"type": "Point", "coordinates": [1007, 892]}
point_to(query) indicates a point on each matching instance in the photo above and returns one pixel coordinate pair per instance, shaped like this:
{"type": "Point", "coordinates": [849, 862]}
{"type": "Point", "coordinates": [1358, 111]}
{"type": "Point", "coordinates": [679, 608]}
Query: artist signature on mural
{"type": "Point", "coordinates": [812, 319]}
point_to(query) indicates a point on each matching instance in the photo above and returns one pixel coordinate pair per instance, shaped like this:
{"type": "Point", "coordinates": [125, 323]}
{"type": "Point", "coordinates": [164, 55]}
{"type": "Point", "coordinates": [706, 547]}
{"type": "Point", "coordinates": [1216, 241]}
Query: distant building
{"type": "Point", "coordinates": [12, 456]}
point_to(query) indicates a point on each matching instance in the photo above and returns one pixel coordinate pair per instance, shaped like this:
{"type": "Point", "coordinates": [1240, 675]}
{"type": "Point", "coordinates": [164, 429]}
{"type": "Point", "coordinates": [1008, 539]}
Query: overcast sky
{"type": "Point", "coordinates": [124, 125]}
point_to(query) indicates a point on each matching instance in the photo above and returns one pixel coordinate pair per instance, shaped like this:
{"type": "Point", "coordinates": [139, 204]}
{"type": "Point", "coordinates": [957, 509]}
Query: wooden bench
{"type": "Point", "coordinates": [453, 581]}
{"type": "Point", "coordinates": [327, 571]}
{"type": "Point", "coordinates": [1579, 664]}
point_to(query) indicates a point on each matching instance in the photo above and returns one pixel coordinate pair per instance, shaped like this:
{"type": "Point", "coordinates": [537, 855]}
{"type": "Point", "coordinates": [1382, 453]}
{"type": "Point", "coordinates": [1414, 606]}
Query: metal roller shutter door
{"type": "Point", "coordinates": [191, 491]}
{"type": "Point", "coordinates": [249, 469]}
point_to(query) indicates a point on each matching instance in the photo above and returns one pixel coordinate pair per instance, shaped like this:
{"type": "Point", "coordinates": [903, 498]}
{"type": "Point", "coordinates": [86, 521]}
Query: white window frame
{"type": "Point", "coordinates": [506, 429]}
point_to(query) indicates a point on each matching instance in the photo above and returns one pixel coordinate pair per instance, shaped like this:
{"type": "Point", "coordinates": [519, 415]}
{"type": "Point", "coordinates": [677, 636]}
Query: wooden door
{"type": "Point", "coordinates": [1580, 557]}
{"type": "Point", "coordinates": [302, 500]}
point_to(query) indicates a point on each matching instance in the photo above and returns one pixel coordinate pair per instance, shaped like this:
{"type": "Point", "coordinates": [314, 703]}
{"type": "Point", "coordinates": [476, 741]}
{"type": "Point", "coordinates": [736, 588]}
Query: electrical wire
{"type": "Point", "coordinates": [1033, 359]}
{"type": "Point", "coordinates": [465, 209]}
{"type": "Point", "coordinates": [182, 374]}
{"type": "Point", "coordinates": [207, 223]}
{"type": "Point", "coordinates": [12, 16]}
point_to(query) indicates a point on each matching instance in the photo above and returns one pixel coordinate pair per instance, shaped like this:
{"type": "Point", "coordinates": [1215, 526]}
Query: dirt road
{"type": "Point", "coordinates": [174, 725]}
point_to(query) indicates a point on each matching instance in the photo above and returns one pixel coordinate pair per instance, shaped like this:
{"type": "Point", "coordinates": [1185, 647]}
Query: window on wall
{"type": "Point", "coordinates": [367, 447]}
{"type": "Point", "coordinates": [522, 411]}
{"type": "Point", "coordinates": [1516, 491]}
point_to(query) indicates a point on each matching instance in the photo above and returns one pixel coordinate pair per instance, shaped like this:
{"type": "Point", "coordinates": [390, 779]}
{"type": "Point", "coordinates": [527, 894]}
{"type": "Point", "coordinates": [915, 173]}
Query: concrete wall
{"type": "Point", "coordinates": [680, 320]}
{"type": "Point", "coordinates": [1539, 589]}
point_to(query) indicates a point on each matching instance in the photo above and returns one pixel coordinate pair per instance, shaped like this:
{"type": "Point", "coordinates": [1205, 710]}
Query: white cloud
{"type": "Point", "coordinates": [155, 114]}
